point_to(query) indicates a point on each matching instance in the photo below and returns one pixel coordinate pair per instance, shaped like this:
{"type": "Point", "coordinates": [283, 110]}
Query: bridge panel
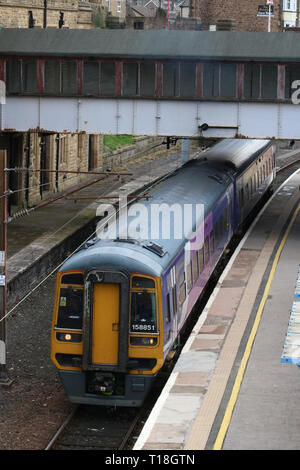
{"type": "Point", "coordinates": [157, 118]}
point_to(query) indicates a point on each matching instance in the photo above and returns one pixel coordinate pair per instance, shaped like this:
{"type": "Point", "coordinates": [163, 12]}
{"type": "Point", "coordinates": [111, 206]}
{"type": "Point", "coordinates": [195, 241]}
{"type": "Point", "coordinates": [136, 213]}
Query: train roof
{"type": "Point", "coordinates": [201, 181]}
{"type": "Point", "coordinates": [237, 153]}
{"type": "Point", "coordinates": [152, 44]}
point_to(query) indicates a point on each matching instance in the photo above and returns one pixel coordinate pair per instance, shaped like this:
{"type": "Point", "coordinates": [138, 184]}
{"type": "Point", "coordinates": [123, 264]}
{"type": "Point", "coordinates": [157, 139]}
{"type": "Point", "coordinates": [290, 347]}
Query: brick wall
{"type": "Point", "coordinates": [244, 12]}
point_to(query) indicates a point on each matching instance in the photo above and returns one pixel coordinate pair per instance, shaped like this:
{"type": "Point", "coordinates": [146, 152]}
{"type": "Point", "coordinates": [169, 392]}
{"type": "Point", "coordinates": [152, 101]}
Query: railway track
{"type": "Point", "coordinates": [98, 428]}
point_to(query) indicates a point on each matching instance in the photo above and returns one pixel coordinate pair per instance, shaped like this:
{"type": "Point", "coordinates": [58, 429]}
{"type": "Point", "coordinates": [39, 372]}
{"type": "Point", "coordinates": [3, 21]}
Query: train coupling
{"type": "Point", "coordinates": [103, 382]}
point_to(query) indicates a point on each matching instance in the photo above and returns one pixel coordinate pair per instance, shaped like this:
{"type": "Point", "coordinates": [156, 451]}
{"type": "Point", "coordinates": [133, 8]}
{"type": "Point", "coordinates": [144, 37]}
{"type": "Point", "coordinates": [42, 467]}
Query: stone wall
{"type": "Point", "coordinates": [244, 12]}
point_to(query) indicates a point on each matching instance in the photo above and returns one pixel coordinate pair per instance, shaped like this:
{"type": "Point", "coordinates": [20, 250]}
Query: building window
{"type": "Point", "coordinates": [68, 69]}
{"type": "Point", "coordinates": [251, 81]}
{"type": "Point", "coordinates": [108, 78]}
{"type": "Point", "coordinates": [147, 79]}
{"type": "Point", "coordinates": [138, 25]}
{"type": "Point", "coordinates": [289, 5]}
{"type": "Point", "coordinates": [211, 78]}
{"type": "Point", "coordinates": [52, 77]}
{"type": "Point", "coordinates": [13, 76]}
{"type": "Point", "coordinates": [260, 81]}
{"type": "Point", "coordinates": [130, 79]}
{"type": "Point", "coordinates": [119, 6]}
{"type": "Point", "coordinates": [30, 76]}
{"type": "Point", "coordinates": [187, 80]}
{"type": "Point", "coordinates": [269, 81]}
{"type": "Point", "coordinates": [228, 81]}
{"type": "Point", "coordinates": [91, 78]}
{"type": "Point", "coordinates": [171, 80]}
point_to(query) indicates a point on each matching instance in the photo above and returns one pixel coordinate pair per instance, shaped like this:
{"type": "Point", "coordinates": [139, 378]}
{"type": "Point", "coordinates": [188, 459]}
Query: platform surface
{"type": "Point", "coordinates": [229, 388]}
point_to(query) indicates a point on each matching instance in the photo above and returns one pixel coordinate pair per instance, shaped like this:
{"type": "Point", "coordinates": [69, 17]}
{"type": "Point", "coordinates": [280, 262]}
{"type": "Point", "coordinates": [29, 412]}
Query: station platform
{"type": "Point", "coordinates": [229, 389]}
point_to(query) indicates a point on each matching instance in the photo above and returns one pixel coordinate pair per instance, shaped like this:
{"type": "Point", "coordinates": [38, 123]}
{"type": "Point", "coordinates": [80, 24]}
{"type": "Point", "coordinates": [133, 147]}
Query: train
{"type": "Point", "coordinates": [121, 302]}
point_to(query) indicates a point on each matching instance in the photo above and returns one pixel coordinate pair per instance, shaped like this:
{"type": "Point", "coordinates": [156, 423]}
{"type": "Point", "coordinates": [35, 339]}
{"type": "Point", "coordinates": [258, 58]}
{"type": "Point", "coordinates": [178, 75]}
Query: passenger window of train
{"type": "Point", "coordinates": [206, 251]}
{"type": "Point", "coordinates": [143, 283]}
{"type": "Point", "coordinates": [201, 259]}
{"type": "Point", "coordinates": [170, 79]}
{"type": "Point", "coordinates": [108, 78]}
{"type": "Point", "coordinates": [211, 80]}
{"type": "Point", "coordinates": [181, 294]}
{"type": "Point", "coordinates": [187, 79]}
{"type": "Point", "coordinates": [130, 79]}
{"type": "Point", "coordinates": [147, 79]}
{"type": "Point", "coordinates": [91, 78]}
{"type": "Point", "coordinates": [143, 312]}
{"type": "Point", "coordinates": [68, 81]}
{"type": "Point", "coordinates": [189, 279]}
{"type": "Point", "coordinates": [13, 76]}
{"type": "Point", "coordinates": [228, 81]}
{"type": "Point", "coordinates": [269, 81]}
{"type": "Point", "coordinates": [52, 77]}
{"type": "Point", "coordinates": [30, 76]}
{"type": "Point", "coordinates": [195, 269]}
{"type": "Point", "coordinates": [211, 242]}
{"type": "Point", "coordinates": [168, 309]}
{"type": "Point", "coordinates": [251, 81]}
{"type": "Point", "coordinates": [70, 308]}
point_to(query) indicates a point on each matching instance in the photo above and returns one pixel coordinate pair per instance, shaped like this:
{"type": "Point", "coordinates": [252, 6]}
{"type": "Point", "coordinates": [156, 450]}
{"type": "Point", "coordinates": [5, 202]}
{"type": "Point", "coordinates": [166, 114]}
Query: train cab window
{"type": "Point", "coordinates": [68, 69]}
{"type": "Point", "coordinates": [30, 76]}
{"type": "Point", "coordinates": [108, 78]}
{"type": "Point", "coordinates": [147, 79]}
{"type": "Point", "coordinates": [76, 278]}
{"type": "Point", "coordinates": [52, 77]}
{"type": "Point", "coordinates": [13, 76]}
{"type": "Point", "coordinates": [142, 283]}
{"type": "Point", "coordinates": [130, 79]}
{"type": "Point", "coordinates": [143, 312]}
{"type": "Point", "coordinates": [170, 79]}
{"type": "Point", "coordinates": [70, 308]}
{"type": "Point", "coordinates": [187, 79]}
{"type": "Point", "coordinates": [91, 78]}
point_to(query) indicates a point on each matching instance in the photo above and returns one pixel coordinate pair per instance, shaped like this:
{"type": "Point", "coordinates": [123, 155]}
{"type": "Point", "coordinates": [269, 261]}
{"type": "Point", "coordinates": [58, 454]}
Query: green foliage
{"type": "Point", "coordinates": [98, 20]}
{"type": "Point", "coordinates": [161, 13]}
{"type": "Point", "coordinates": [112, 142]}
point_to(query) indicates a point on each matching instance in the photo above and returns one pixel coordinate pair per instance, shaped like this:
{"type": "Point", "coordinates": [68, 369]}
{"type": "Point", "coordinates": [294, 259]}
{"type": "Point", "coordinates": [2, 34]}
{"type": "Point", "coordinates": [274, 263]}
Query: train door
{"type": "Point", "coordinates": [105, 320]}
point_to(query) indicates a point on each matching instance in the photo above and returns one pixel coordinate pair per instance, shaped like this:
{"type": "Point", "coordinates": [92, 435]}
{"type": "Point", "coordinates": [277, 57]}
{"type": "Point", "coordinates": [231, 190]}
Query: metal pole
{"type": "Point", "coordinates": [269, 20]}
{"type": "Point", "coordinates": [4, 379]}
{"type": "Point", "coordinates": [45, 13]}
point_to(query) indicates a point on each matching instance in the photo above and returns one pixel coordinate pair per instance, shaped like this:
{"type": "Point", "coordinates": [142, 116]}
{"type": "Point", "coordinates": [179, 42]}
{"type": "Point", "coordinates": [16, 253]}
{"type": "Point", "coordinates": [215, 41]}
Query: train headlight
{"type": "Point", "coordinates": [142, 341]}
{"type": "Point", "coordinates": [69, 337]}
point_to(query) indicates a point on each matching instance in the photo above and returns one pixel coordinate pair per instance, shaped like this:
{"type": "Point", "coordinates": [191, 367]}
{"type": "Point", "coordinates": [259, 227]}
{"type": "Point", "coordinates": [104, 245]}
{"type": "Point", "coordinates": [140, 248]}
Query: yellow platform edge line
{"type": "Point", "coordinates": [238, 381]}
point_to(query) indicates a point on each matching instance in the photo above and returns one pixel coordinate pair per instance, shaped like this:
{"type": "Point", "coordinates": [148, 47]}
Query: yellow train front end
{"type": "Point", "coordinates": [107, 335]}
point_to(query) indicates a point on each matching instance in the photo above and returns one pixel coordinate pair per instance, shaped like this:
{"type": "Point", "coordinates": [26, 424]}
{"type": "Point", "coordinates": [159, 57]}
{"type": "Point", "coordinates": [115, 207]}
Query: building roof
{"type": "Point", "coordinates": [154, 44]}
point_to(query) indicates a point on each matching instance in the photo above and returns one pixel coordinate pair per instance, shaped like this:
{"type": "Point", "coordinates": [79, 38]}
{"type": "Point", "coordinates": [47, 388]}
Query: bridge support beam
{"type": "Point", "coordinates": [208, 119]}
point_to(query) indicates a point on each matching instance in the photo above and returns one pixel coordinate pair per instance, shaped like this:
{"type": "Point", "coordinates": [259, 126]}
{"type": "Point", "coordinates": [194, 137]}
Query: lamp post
{"type": "Point", "coordinates": [270, 3]}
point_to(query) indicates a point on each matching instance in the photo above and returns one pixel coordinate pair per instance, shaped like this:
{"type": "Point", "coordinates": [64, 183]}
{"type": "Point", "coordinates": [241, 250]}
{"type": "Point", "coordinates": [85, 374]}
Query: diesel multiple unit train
{"type": "Point", "coordinates": [121, 302]}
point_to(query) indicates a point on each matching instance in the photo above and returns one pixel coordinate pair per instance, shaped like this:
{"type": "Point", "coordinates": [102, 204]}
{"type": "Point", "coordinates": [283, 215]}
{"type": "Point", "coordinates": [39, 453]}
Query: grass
{"type": "Point", "coordinates": [112, 142]}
